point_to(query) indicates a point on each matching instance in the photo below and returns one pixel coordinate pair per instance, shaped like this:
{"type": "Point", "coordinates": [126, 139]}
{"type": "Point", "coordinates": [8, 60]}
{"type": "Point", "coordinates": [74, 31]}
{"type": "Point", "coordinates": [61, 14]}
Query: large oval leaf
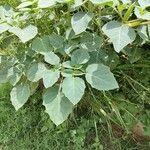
{"type": "Point", "coordinates": [42, 45]}
{"type": "Point", "coordinates": [100, 77]}
{"type": "Point", "coordinates": [73, 88]}
{"type": "Point", "coordinates": [50, 77]}
{"type": "Point", "coordinates": [19, 95]}
{"type": "Point", "coordinates": [80, 56]}
{"type": "Point", "coordinates": [80, 21]}
{"type": "Point", "coordinates": [25, 34]}
{"type": "Point", "coordinates": [120, 34]}
{"type": "Point", "coordinates": [36, 71]}
{"type": "Point", "coordinates": [57, 105]}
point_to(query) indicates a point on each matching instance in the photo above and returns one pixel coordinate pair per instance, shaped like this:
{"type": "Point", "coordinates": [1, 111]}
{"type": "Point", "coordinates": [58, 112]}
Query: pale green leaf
{"type": "Point", "coordinates": [142, 31]}
{"type": "Point", "coordinates": [144, 3]}
{"type": "Point", "coordinates": [50, 77]}
{"type": "Point", "coordinates": [42, 45]}
{"type": "Point", "coordinates": [46, 3]}
{"type": "Point", "coordinates": [120, 34]}
{"type": "Point", "coordinates": [90, 41]}
{"type": "Point", "coordinates": [102, 2]}
{"type": "Point", "coordinates": [80, 21]}
{"type": "Point", "coordinates": [57, 105]}
{"type": "Point", "coordinates": [19, 95]}
{"type": "Point", "coordinates": [142, 14]}
{"type": "Point", "coordinates": [25, 4]}
{"type": "Point", "coordinates": [51, 58]}
{"type": "Point", "coordinates": [36, 71]}
{"type": "Point", "coordinates": [56, 41]}
{"type": "Point", "coordinates": [73, 88]}
{"type": "Point", "coordinates": [100, 77]}
{"type": "Point", "coordinates": [4, 27]}
{"type": "Point", "coordinates": [25, 34]}
{"type": "Point", "coordinates": [80, 56]}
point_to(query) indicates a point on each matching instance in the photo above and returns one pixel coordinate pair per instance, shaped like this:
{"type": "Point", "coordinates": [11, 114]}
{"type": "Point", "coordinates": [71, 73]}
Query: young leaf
{"type": "Point", "coordinates": [36, 71]}
{"type": "Point", "coordinates": [100, 77]}
{"type": "Point", "coordinates": [42, 45]}
{"type": "Point", "coordinates": [80, 56]}
{"type": "Point", "coordinates": [46, 3]}
{"type": "Point", "coordinates": [73, 88]}
{"type": "Point", "coordinates": [25, 34]}
{"type": "Point", "coordinates": [57, 105]}
{"type": "Point", "coordinates": [52, 58]}
{"type": "Point", "coordinates": [120, 34]}
{"type": "Point", "coordinates": [80, 21]}
{"type": "Point", "coordinates": [50, 77]}
{"type": "Point", "coordinates": [19, 95]}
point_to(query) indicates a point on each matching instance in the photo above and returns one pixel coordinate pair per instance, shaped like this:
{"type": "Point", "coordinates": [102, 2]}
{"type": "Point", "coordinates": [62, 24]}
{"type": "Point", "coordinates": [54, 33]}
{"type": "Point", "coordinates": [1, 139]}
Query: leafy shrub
{"type": "Point", "coordinates": [66, 46]}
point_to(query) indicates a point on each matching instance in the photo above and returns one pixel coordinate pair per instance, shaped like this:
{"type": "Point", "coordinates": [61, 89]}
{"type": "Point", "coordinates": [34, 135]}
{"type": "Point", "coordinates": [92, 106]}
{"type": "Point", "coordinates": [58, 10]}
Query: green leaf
{"type": "Point", "coordinates": [4, 27]}
{"type": "Point", "coordinates": [80, 21]}
{"type": "Point", "coordinates": [46, 3]}
{"type": "Point", "coordinates": [102, 2]}
{"type": "Point", "coordinates": [42, 45]}
{"type": "Point", "coordinates": [36, 71]}
{"type": "Point", "coordinates": [3, 76]}
{"type": "Point", "coordinates": [16, 76]}
{"type": "Point", "coordinates": [25, 4]}
{"type": "Point", "coordinates": [73, 88]}
{"type": "Point", "coordinates": [90, 41]}
{"type": "Point", "coordinates": [25, 34]}
{"type": "Point", "coordinates": [52, 58]}
{"type": "Point", "coordinates": [57, 105]}
{"type": "Point", "coordinates": [100, 77]}
{"type": "Point", "coordinates": [19, 95]}
{"type": "Point", "coordinates": [144, 3]}
{"type": "Point", "coordinates": [120, 34]}
{"type": "Point", "coordinates": [142, 31]}
{"type": "Point", "coordinates": [142, 14]}
{"type": "Point", "coordinates": [80, 56]}
{"type": "Point", "coordinates": [50, 77]}
{"type": "Point", "coordinates": [56, 41]}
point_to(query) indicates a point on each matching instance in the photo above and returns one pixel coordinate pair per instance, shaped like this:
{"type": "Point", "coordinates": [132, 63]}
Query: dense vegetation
{"type": "Point", "coordinates": [84, 62]}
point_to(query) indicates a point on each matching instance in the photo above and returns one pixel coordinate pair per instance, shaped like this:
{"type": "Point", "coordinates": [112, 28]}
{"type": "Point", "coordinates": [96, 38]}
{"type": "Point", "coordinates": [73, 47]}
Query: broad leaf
{"type": "Point", "coordinates": [25, 34]}
{"type": "Point", "coordinates": [73, 88]}
{"type": "Point", "coordinates": [57, 105]}
{"type": "Point", "coordinates": [42, 45]}
{"type": "Point", "coordinates": [19, 95]}
{"type": "Point", "coordinates": [80, 21]}
{"type": "Point", "coordinates": [100, 77]}
{"type": "Point", "coordinates": [52, 58]}
{"type": "Point", "coordinates": [120, 34]}
{"type": "Point", "coordinates": [46, 3]}
{"type": "Point", "coordinates": [50, 77]}
{"type": "Point", "coordinates": [80, 56]}
{"type": "Point", "coordinates": [35, 72]}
